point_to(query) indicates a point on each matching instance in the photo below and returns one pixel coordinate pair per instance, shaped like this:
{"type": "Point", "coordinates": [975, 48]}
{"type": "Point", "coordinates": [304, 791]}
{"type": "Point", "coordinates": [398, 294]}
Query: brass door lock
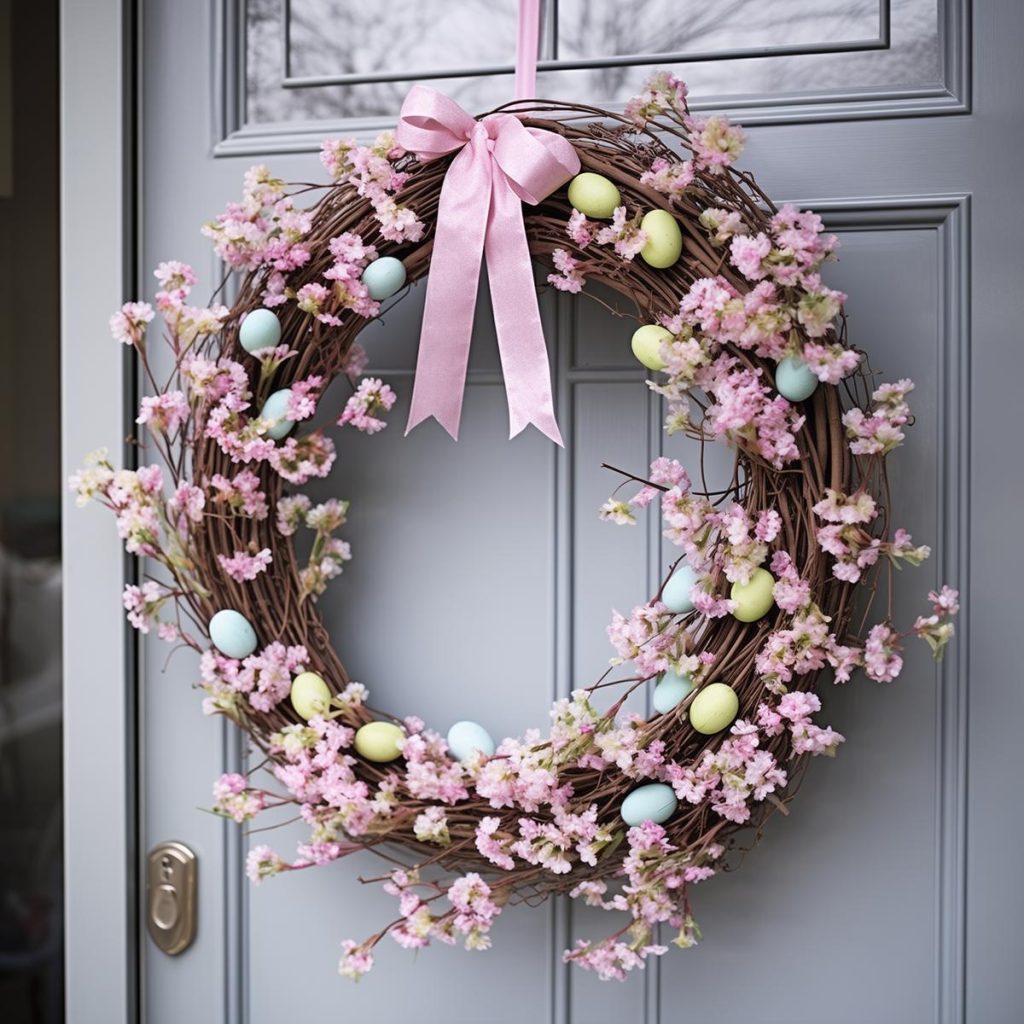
{"type": "Point", "coordinates": [171, 896]}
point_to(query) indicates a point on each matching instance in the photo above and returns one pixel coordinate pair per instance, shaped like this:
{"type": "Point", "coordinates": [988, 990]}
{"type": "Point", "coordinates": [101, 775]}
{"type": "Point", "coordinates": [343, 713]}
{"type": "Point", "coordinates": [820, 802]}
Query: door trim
{"type": "Point", "coordinates": [98, 173]}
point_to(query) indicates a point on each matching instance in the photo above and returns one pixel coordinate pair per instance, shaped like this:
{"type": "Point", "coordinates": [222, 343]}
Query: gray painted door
{"type": "Point", "coordinates": [891, 892]}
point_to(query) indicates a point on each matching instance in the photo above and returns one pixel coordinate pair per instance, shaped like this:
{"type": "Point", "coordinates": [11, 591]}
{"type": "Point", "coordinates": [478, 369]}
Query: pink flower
{"type": "Point", "coordinates": [164, 413]}
{"type": "Point", "coordinates": [242, 494]}
{"type": "Point", "coordinates": [242, 565]}
{"type": "Point", "coordinates": [716, 143]}
{"type": "Point", "coordinates": [671, 178]}
{"type": "Point", "coordinates": [301, 459]}
{"type": "Point", "coordinates": [569, 277]}
{"type": "Point", "coordinates": [882, 661]}
{"type": "Point", "coordinates": [128, 324]}
{"type": "Point", "coordinates": [581, 230]}
{"type": "Point", "coordinates": [261, 863]}
{"type": "Point", "coordinates": [372, 396]}
{"type": "Point", "coordinates": [748, 253]}
{"type": "Point", "coordinates": [625, 235]}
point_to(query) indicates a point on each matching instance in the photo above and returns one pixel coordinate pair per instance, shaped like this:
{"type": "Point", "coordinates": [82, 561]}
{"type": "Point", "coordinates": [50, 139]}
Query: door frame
{"type": "Point", "coordinates": [98, 90]}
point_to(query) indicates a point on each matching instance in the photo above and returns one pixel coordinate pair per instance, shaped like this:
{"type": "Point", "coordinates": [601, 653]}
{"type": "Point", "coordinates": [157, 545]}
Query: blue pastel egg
{"type": "Point", "coordinates": [260, 329]}
{"type": "Point", "coordinates": [384, 277]}
{"type": "Point", "coordinates": [794, 380]}
{"type": "Point", "coordinates": [232, 634]}
{"type": "Point", "coordinates": [671, 689]}
{"type": "Point", "coordinates": [675, 595]}
{"type": "Point", "coordinates": [466, 737]}
{"type": "Point", "coordinates": [655, 802]}
{"type": "Point", "coordinates": [273, 411]}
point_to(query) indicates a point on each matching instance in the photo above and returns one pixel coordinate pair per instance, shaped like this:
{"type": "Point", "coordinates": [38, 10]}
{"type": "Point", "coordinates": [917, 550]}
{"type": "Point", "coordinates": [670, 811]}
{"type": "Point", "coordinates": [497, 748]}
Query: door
{"type": "Point", "coordinates": [890, 893]}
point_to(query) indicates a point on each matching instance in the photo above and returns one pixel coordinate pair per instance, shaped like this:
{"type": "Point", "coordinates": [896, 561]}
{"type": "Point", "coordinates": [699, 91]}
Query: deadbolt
{"type": "Point", "coordinates": [171, 896]}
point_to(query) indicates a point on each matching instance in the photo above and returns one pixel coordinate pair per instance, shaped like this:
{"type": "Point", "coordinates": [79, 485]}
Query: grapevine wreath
{"type": "Point", "coordinates": [747, 345]}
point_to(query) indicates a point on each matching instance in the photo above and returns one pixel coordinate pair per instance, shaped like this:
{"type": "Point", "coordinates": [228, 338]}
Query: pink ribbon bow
{"type": "Point", "coordinates": [501, 165]}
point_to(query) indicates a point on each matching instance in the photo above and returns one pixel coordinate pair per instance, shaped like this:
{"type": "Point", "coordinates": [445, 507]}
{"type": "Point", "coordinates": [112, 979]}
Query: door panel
{"type": "Point", "coordinates": [499, 603]}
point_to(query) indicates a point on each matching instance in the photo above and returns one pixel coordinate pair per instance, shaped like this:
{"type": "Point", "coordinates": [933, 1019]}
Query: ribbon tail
{"type": "Point", "coordinates": [521, 344]}
{"type": "Point", "coordinates": [452, 284]}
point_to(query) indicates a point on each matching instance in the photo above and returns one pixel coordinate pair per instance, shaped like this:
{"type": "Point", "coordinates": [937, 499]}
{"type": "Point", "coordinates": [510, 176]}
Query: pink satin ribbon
{"type": "Point", "coordinates": [500, 165]}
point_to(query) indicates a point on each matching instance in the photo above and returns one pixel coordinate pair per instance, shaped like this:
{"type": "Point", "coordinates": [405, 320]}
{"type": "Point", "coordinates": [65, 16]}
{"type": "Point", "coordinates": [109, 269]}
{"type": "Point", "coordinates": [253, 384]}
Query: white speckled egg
{"type": "Point", "coordinates": [232, 634]}
{"type": "Point", "coordinates": [466, 737]}
{"type": "Point", "coordinates": [671, 689]}
{"type": "Point", "coordinates": [646, 345]}
{"type": "Point", "coordinates": [655, 802]}
{"type": "Point", "coordinates": [383, 277]}
{"type": "Point", "coordinates": [794, 380]}
{"type": "Point", "coordinates": [593, 195]}
{"type": "Point", "coordinates": [378, 741]}
{"type": "Point", "coordinates": [273, 411]}
{"type": "Point", "coordinates": [664, 239]}
{"type": "Point", "coordinates": [310, 695]}
{"type": "Point", "coordinates": [675, 595]}
{"type": "Point", "coordinates": [260, 329]}
{"type": "Point", "coordinates": [714, 708]}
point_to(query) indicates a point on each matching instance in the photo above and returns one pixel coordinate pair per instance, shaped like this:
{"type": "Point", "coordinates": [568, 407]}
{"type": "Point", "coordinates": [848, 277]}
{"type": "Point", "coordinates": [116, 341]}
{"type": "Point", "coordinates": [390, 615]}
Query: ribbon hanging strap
{"type": "Point", "coordinates": [500, 164]}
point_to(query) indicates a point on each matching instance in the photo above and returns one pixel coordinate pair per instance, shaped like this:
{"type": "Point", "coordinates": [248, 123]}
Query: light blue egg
{"type": "Point", "coordinates": [466, 737]}
{"type": "Point", "coordinates": [671, 689]}
{"type": "Point", "coordinates": [794, 380]}
{"type": "Point", "coordinates": [273, 410]}
{"type": "Point", "coordinates": [676, 593]}
{"type": "Point", "coordinates": [655, 802]}
{"type": "Point", "coordinates": [384, 277]}
{"type": "Point", "coordinates": [232, 634]}
{"type": "Point", "coordinates": [260, 329]}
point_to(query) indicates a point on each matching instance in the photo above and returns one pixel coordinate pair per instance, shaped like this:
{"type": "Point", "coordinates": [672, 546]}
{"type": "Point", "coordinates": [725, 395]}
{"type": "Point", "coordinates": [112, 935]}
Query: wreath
{"type": "Point", "coordinates": [747, 346]}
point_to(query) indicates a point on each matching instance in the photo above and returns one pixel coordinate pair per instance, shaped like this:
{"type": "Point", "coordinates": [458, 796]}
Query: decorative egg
{"type": "Point", "coordinates": [274, 409]}
{"type": "Point", "coordinates": [675, 595]}
{"type": "Point", "coordinates": [260, 329]}
{"type": "Point", "coordinates": [671, 689]}
{"type": "Point", "coordinates": [310, 695]}
{"type": "Point", "coordinates": [664, 239]}
{"type": "Point", "coordinates": [466, 737]}
{"type": "Point", "coordinates": [647, 345]}
{"type": "Point", "coordinates": [384, 277]}
{"type": "Point", "coordinates": [655, 802]}
{"type": "Point", "coordinates": [378, 741]}
{"type": "Point", "coordinates": [231, 634]}
{"type": "Point", "coordinates": [794, 380]}
{"type": "Point", "coordinates": [753, 599]}
{"type": "Point", "coordinates": [594, 195]}
{"type": "Point", "coordinates": [714, 708]}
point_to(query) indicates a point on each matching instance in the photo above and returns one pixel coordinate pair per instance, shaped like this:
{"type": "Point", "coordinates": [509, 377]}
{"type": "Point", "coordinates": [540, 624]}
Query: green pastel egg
{"type": "Point", "coordinates": [232, 634]}
{"type": "Point", "coordinates": [593, 195]}
{"type": "Point", "coordinates": [310, 695]}
{"type": "Point", "coordinates": [664, 239]}
{"type": "Point", "coordinates": [675, 595]}
{"type": "Point", "coordinates": [714, 708]}
{"type": "Point", "coordinates": [646, 345]}
{"type": "Point", "coordinates": [672, 688]}
{"type": "Point", "coordinates": [794, 380]}
{"type": "Point", "coordinates": [260, 329]}
{"type": "Point", "coordinates": [655, 802]}
{"type": "Point", "coordinates": [753, 599]}
{"type": "Point", "coordinates": [274, 410]}
{"type": "Point", "coordinates": [378, 741]}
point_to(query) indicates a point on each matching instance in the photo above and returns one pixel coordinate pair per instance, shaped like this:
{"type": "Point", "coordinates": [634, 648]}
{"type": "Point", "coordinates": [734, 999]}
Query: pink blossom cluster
{"type": "Point", "coordinates": [263, 231]}
{"type": "Point", "coordinates": [362, 410]}
{"type": "Point", "coordinates": [880, 431]}
{"type": "Point", "coordinates": [233, 798]}
{"type": "Point", "coordinates": [264, 679]}
{"type": "Point", "coordinates": [730, 777]}
{"type": "Point", "coordinates": [662, 93]}
{"type": "Point", "coordinates": [372, 172]}
{"type": "Point", "coordinates": [328, 553]}
{"type": "Point", "coordinates": [937, 629]}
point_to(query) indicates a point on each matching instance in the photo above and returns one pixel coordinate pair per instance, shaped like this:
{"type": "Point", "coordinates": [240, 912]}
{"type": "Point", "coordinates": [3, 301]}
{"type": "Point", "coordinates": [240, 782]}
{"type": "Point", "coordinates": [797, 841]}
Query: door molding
{"type": "Point", "coordinates": [97, 145]}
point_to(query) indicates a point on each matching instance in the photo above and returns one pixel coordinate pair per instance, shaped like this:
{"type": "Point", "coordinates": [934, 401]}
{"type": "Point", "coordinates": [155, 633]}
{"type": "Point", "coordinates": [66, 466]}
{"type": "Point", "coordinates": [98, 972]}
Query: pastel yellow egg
{"type": "Point", "coordinates": [593, 195]}
{"type": "Point", "coordinates": [664, 239]}
{"type": "Point", "coordinates": [310, 695]}
{"type": "Point", "coordinates": [378, 741]}
{"type": "Point", "coordinates": [646, 345]}
{"type": "Point", "coordinates": [753, 599]}
{"type": "Point", "coordinates": [714, 708]}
